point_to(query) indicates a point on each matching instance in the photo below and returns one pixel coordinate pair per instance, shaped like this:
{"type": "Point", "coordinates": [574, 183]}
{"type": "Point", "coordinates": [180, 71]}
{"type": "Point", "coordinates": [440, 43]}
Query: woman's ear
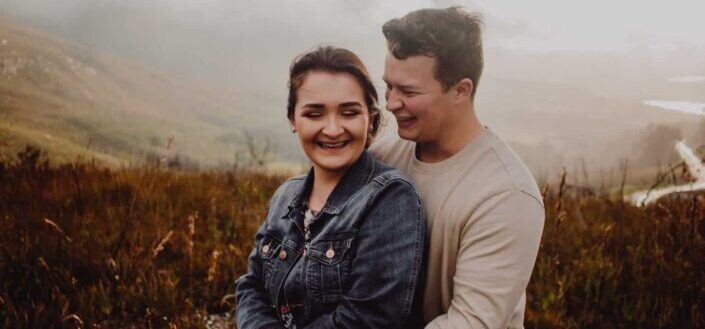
{"type": "Point", "coordinates": [464, 88]}
{"type": "Point", "coordinates": [291, 124]}
{"type": "Point", "coordinates": [371, 120]}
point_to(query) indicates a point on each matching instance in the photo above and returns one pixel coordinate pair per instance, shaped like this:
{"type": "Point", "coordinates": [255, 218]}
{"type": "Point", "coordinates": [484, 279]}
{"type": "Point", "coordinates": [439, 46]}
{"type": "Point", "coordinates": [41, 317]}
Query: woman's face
{"type": "Point", "coordinates": [332, 120]}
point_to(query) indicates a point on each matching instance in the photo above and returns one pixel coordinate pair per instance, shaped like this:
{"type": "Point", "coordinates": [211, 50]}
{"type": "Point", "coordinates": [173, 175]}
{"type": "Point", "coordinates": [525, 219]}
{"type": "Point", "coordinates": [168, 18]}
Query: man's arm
{"type": "Point", "coordinates": [497, 251]}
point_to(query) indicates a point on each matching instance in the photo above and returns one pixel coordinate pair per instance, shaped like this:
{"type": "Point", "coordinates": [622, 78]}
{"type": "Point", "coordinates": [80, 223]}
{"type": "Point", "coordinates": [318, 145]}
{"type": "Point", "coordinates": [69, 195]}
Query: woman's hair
{"type": "Point", "coordinates": [334, 60]}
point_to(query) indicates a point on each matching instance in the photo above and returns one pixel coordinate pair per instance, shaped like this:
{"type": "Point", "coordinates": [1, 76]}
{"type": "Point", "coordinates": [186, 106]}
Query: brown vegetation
{"type": "Point", "coordinates": [607, 264]}
{"type": "Point", "coordinates": [119, 248]}
{"type": "Point", "coordinates": [86, 246]}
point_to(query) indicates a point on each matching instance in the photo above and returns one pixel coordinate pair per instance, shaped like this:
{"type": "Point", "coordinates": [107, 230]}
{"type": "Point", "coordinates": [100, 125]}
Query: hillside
{"type": "Point", "coordinates": [78, 102]}
{"type": "Point", "coordinates": [75, 102]}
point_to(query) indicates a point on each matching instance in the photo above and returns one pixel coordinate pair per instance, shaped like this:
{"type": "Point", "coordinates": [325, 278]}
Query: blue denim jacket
{"type": "Point", "coordinates": [363, 266]}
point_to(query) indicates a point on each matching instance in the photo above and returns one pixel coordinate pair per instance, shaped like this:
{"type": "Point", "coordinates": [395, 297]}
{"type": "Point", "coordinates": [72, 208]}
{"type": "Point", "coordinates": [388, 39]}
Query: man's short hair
{"type": "Point", "coordinates": [452, 36]}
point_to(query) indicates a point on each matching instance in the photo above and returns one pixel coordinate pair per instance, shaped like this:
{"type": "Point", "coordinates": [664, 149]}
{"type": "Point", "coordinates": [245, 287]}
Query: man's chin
{"type": "Point", "coordinates": [407, 135]}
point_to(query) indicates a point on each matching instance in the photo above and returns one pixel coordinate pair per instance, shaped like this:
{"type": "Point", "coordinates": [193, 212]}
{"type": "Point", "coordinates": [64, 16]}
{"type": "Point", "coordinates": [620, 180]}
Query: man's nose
{"type": "Point", "coordinates": [393, 101]}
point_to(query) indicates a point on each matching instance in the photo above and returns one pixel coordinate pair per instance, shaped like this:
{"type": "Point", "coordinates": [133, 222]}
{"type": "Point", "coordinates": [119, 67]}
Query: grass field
{"type": "Point", "coordinates": [86, 246]}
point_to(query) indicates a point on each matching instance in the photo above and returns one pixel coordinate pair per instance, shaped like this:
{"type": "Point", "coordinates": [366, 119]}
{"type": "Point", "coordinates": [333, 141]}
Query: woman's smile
{"type": "Point", "coordinates": [334, 146]}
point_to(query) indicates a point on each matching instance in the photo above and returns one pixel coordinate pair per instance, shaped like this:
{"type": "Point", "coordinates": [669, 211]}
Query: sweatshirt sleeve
{"type": "Point", "coordinates": [498, 248]}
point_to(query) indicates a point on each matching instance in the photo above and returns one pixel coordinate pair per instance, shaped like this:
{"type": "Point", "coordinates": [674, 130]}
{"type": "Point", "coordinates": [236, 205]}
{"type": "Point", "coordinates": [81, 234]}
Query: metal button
{"type": "Point", "coordinates": [265, 249]}
{"type": "Point", "coordinates": [282, 255]}
{"type": "Point", "coordinates": [330, 253]}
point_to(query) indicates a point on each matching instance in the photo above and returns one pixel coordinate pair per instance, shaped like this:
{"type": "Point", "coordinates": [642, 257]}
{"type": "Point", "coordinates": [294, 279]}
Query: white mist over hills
{"type": "Point", "coordinates": [683, 106]}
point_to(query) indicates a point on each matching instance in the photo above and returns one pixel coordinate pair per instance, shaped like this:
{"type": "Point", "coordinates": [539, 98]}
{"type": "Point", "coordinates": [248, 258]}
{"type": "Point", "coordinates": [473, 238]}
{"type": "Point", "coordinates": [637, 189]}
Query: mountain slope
{"type": "Point", "coordinates": [74, 102]}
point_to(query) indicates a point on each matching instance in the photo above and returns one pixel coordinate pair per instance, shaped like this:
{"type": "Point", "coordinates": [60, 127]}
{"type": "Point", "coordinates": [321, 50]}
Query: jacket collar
{"type": "Point", "coordinates": [359, 174]}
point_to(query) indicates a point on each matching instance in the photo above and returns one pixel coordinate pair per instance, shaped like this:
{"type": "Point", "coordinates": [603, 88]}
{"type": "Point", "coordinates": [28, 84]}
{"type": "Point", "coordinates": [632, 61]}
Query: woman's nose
{"type": "Point", "coordinates": [333, 127]}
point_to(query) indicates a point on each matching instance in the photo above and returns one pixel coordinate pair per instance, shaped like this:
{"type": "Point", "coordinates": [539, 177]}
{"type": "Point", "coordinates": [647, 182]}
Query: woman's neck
{"type": "Point", "coordinates": [324, 182]}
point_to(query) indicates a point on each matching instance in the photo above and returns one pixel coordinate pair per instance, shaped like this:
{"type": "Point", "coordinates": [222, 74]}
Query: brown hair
{"type": "Point", "coordinates": [334, 60]}
{"type": "Point", "coordinates": [451, 36]}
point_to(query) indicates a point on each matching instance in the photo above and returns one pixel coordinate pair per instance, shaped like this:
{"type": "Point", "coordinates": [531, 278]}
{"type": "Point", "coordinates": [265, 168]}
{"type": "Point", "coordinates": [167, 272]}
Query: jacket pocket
{"type": "Point", "coordinates": [268, 250]}
{"type": "Point", "coordinates": [328, 272]}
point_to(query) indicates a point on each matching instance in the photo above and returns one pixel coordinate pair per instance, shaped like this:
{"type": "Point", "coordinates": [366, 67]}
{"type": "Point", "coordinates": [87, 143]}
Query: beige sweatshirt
{"type": "Point", "coordinates": [484, 221]}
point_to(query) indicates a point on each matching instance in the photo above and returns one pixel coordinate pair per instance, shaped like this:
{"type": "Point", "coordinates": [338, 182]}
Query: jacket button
{"type": "Point", "coordinates": [265, 249]}
{"type": "Point", "coordinates": [282, 255]}
{"type": "Point", "coordinates": [330, 253]}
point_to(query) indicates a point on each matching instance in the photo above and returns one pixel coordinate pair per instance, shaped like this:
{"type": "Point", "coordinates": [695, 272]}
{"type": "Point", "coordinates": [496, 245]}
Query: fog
{"type": "Point", "coordinates": [560, 63]}
{"type": "Point", "coordinates": [248, 44]}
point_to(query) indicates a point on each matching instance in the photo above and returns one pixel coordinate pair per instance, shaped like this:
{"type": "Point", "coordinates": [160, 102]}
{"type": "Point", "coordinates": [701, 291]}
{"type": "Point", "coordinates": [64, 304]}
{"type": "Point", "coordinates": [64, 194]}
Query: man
{"type": "Point", "coordinates": [484, 211]}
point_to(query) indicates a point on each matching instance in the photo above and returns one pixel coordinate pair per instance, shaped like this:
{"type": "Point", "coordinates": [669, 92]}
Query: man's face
{"type": "Point", "coordinates": [417, 100]}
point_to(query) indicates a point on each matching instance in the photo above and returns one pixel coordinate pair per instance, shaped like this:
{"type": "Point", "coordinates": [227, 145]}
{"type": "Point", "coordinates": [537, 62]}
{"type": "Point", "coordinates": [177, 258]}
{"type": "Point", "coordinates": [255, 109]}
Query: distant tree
{"type": "Point", "coordinates": [259, 151]}
{"type": "Point", "coordinates": [182, 162]}
{"type": "Point", "coordinates": [154, 141]}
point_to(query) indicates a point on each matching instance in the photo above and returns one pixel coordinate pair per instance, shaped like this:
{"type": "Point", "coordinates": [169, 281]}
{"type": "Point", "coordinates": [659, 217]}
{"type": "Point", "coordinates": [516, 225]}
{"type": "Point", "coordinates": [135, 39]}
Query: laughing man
{"type": "Point", "coordinates": [484, 210]}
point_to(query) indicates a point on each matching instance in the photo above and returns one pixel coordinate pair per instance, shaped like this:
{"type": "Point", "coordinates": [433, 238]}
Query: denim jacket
{"type": "Point", "coordinates": [362, 267]}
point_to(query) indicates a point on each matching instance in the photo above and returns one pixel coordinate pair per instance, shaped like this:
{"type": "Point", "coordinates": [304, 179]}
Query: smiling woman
{"type": "Point", "coordinates": [341, 247]}
{"type": "Point", "coordinates": [332, 120]}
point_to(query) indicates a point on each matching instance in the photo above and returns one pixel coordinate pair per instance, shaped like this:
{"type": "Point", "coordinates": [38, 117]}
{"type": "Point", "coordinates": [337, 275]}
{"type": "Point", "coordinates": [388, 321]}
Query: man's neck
{"type": "Point", "coordinates": [452, 140]}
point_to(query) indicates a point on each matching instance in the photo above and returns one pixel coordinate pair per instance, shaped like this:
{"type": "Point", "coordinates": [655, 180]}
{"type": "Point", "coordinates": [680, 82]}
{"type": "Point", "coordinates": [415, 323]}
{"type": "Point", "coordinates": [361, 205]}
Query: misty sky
{"type": "Point", "coordinates": [248, 45]}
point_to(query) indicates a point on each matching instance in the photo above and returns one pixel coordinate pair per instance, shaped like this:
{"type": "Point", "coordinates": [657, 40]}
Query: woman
{"type": "Point", "coordinates": [341, 247]}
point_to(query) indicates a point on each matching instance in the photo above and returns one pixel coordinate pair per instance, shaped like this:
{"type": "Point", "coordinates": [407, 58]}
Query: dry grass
{"type": "Point", "coordinates": [134, 247]}
{"type": "Point", "coordinates": [607, 264]}
{"type": "Point", "coordinates": [86, 246]}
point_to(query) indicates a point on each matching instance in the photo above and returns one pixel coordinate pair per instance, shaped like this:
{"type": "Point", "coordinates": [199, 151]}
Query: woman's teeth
{"type": "Point", "coordinates": [337, 145]}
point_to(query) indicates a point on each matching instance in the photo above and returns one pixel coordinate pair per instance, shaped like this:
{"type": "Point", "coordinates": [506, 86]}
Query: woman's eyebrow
{"type": "Point", "coordinates": [314, 106]}
{"type": "Point", "coordinates": [351, 104]}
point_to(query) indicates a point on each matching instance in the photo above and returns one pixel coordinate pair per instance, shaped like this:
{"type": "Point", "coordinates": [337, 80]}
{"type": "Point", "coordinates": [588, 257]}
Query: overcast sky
{"type": "Point", "coordinates": [248, 44]}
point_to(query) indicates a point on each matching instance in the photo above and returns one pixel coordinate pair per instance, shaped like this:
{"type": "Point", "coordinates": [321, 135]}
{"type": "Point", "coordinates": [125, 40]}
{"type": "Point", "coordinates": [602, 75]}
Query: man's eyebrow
{"type": "Point", "coordinates": [407, 87]}
{"type": "Point", "coordinates": [400, 86]}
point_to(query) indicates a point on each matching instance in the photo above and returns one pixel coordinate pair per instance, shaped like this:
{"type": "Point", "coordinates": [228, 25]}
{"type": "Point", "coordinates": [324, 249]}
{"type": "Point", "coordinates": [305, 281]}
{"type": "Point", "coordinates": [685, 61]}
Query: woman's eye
{"type": "Point", "coordinates": [350, 113]}
{"type": "Point", "coordinates": [312, 115]}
